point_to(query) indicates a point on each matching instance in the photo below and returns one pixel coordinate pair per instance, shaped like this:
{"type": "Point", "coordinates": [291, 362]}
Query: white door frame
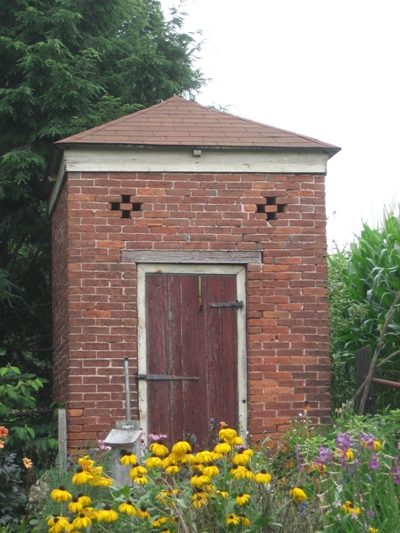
{"type": "Point", "coordinates": [240, 272]}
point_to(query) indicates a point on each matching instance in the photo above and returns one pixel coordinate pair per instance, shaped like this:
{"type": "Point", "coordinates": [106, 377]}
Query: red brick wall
{"type": "Point", "coordinates": [288, 351]}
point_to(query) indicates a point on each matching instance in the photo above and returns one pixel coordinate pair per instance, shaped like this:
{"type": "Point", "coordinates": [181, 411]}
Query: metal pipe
{"type": "Point", "coordinates": [127, 392]}
{"type": "Point", "coordinates": [386, 382]}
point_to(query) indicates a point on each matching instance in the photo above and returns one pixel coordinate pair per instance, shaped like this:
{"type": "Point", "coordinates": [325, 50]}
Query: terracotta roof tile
{"type": "Point", "coordinates": [179, 122]}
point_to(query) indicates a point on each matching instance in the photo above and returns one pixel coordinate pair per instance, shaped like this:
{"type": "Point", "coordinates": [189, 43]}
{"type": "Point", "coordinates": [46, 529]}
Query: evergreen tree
{"type": "Point", "coordinates": [66, 66]}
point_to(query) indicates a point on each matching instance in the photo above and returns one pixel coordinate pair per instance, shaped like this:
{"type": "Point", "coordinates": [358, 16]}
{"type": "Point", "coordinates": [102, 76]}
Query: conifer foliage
{"type": "Point", "coordinates": [66, 66]}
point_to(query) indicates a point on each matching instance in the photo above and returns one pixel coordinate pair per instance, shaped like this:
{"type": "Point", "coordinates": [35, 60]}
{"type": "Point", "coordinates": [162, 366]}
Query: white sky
{"type": "Point", "coordinates": [328, 69]}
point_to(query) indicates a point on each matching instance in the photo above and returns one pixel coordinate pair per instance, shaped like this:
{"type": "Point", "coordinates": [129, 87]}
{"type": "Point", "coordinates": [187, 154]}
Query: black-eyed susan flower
{"type": "Point", "coordinates": [244, 520]}
{"type": "Point", "coordinates": [248, 451]}
{"type": "Point", "coordinates": [227, 434]}
{"type": "Point", "coordinates": [240, 458]}
{"type": "Point", "coordinates": [181, 447]}
{"type": "Point", "coordinates": [81, 477]}
{"type": "Point", "coordinates": [203, 457]}
{"type": "Point", "coordinates": [233, 519]}
{"type": "Point", "coordinates": [373, 530]}
{"type": "Point", "coordinates": [223, 494]}
{"type": "Point", "coordinates": [101, 482]}
{"type": "Point", "coordinates": [61, 494]}
{"type": "Point", "coordinates": [75, 506]}
{"type": "Point", "coordinates": [200, 499]}
{"type": "Point", "coordinates": [242, 499]}
{"type": "Point", "coordinates": [127, 508]}
{"type": "Point", "coordinates": [85, 462]}
{"type": "Point", "coordinates": [222, 448]}
{"type": "Point", "coordinates": [198, 467]}
{"type": "Point", "coordinates": [211, 471]}
{"type": "Point", "coordinates": [377, 445]}
{"type": "Point", "coordinates": [158, 448]}
{"type": "Point", "coordinates": [107, 515]}
{"type": "Point", "coordinates": [153, 462]}
{"type": "Point", "coordinates": [85, 500]}
{"type": "Point", "coordinates": [162, 521]}
{"type": "Point", "coordinates": [263, 477]}
{"type": "Point", "coordinates": [128, 458]}
{"type": "Point", "coordinates": [298, 495]}
{"type": "Point", "coordinates": [82, 521]}
{"type": "Point", "coordinates": [238, 471]}
{"type": "Point", "coordinates": [141, 480]}
{"type": "Point", "coordinates": [166, 497]}
{"type": "Point", "coordinates": [248, 474]}
{"type": "Point", "coordinates": [137, 471]}
{"type": "Point", "coordinates": [58, 523]}
{"type": "Point", "coordinates": [142, 513]}
{"type": "Point", "coordinates": [199, 480]}
{"type": "Point", "coordinates": [172, 469]}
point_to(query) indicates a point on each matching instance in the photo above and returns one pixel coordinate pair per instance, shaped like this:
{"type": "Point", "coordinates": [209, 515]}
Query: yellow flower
{"type": "Point", "coordinates": [166, 497]}
{"type": "Point", "coordinates": [136, 471]}
{"type": "Point", "coordinates": [248, 474]}
{"type": "Point", "coordinates": [227, 434]}
{"type": "Point", "coordinates": [203, 457]}
{"type": "Point", "coordinates": [239, 472]}
{"type": "Point", "coordinates": [233, 519]}
{"type": "Point", "coordinates": [198, 467]}
{"type": "Point", "coordinates": [161, 521]}
{"type": "Point", "coordinates": [263, 477]}
{"type": "Point", "coordinates": [82, 521]}
{"type": "Point", "coordinates": [127, 508]}
{"type": "Point", "coordinates": [200, 499]}
{"type": "Point", "coordinates": [81, 477]}
{"type": "Point", "coordinates": [223, 448]}
{"type": "Point", "coordinates": [85, 462]}
{"type": "Point", "coordinates": [237, 441]}
{"type": "Point", "coordinates": [75, 506]}
{"type": "Point", "coordinates": [57, 523]}
{"type": "Point", "coordinates": [27, 462]}
{"type": "Point", "coordinates": [153, 462]}
{"type": "Point", "coordinates": [211, 471]}
{"type": "Point", "coordinates": [245, 521]}
{"type": "Point", "coordinates": [158, 448]}
{"type": "Point", "coordinates": [128, 459]}
{"type": "Point", "coordinates": [61, 494]}
{"type": "Point", "coordinates": [223, 493]}
{"type": "Point", "coordinates": [349, 455]}
{"type": "Point", "coordinates": [199, 480]}
{"type": "Point", "coordinates": [377, 446]}
{"type": "Point", "coordinates": [172, 469]}
{"type": "Point", "coordinates": [142, 480]}
{"type": "Point", "coordinates": [143, 514]}
{"type": "Point", "coordinates": [181, 447]}
{"type": "Point", "coordinates": [240, 458]}
{"type": "Point", "coordinates": [102, 482]}
{"type": "Point", "coordinates": [107, 515]}
{"type": "Point", "coordinates": [373, 530]}
{"type": "Point", "coordinates": [348, 507]}
{"type": "Point", "coordinates": [242, 499]}
{"type": "Point", "coordinates": [248, 451]}
{"type": "Point", "coordinates": [85, 500]}
{"type": "Point", "coordinates": [298, 495]}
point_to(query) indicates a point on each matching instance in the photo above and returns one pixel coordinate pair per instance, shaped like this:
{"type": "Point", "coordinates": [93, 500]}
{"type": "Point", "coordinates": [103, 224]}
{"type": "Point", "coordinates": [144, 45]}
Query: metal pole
{"type": "Point", "coordinates": [127, 393]}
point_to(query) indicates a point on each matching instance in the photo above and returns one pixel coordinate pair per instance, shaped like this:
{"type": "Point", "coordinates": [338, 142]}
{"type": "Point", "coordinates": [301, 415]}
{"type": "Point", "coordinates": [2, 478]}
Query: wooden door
{"type": "Point", "coordinates": [192, 354]}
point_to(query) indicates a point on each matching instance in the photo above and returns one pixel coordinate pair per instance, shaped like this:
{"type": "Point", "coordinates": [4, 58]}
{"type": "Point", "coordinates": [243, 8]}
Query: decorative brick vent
{"type": "Point", "coordinates": [271, 208]}
{"type": "Point", "coordinates": [126, 206]}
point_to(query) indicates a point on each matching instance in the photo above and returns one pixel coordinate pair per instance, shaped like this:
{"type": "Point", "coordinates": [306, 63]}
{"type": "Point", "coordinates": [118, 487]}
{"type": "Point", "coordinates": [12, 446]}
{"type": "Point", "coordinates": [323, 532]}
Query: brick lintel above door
{"type": "Point", "coordinates": [194, 256]}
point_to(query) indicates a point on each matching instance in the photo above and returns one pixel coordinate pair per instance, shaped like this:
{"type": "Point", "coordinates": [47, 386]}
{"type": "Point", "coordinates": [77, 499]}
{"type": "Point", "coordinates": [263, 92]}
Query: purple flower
{"type": "Point", "coordinates": [324, 455]}
{"type": "Point", "coordinates": [156, 437]}
{"type": "Point", "coordinates": [396, 477]}
{"type": "Point", "coordinates": [368, 440]}
{"type": "Point", "coordinates": [374, 462]}
{"type": "Point", "coordinates": [343, 441]}
{"type": "Point", "coordinates": [371, 514]}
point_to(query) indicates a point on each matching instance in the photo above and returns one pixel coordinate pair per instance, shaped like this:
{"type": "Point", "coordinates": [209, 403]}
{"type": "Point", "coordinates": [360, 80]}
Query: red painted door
{"type": "Point", "coordinates": [189, 337]}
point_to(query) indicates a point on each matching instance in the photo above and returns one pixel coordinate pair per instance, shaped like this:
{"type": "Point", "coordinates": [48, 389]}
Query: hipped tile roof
{"type": "Point", "coordinates": [179, 122]}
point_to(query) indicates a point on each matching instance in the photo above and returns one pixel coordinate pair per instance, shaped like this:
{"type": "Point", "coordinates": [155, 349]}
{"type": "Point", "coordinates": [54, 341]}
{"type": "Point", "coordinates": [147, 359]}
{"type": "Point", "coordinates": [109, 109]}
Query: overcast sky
{"type": "Point", "coordinates": [322, 68]}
